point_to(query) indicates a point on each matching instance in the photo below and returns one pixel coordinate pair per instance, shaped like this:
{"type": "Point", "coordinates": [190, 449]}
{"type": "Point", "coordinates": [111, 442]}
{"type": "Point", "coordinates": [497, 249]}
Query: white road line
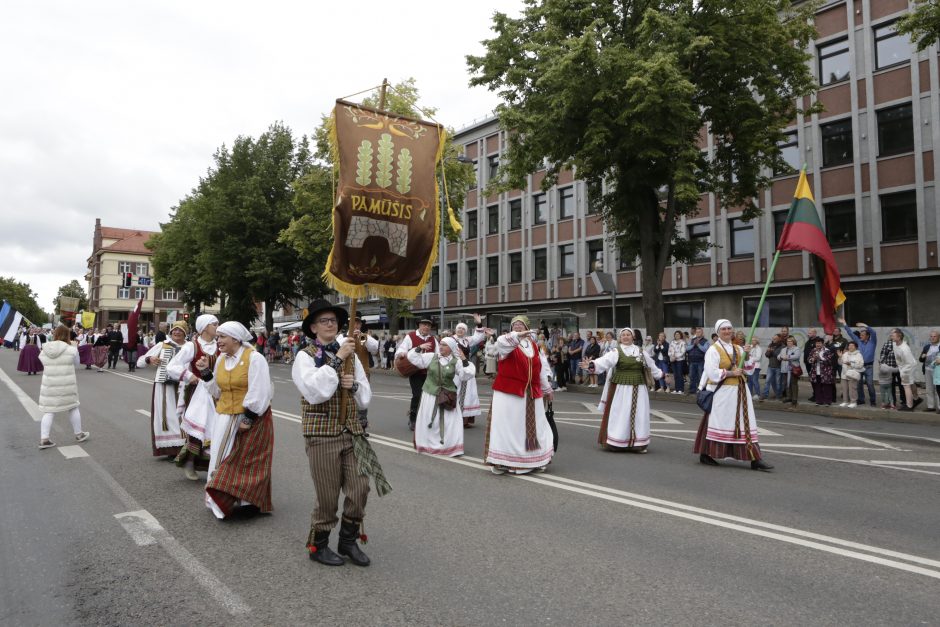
{"type": "Point", "coordinates": [664, 417]}
{"type": "Point", "coordinates": [592, 407]}
{"type": "Point", "coordinates": [141, 526]}
{"type": "Point", "coordinates": [143, 412]}
{"type": "Point", "coordinates": [819, 446]}
{"type": "Point", "coordinates": [715, 518]}
{"type": "Point", "coordinates": [932, 464]}
{"type": "Point", "coordinates": [844, 434]}
{"type": "Point", "coordinates": [71, 452]}
{"type": "Point", "coordinates": [28, 404]}
{"type": "Point", "coordinates": [133, 377]}
{"type": "Point", "coordinates": [203, 576]}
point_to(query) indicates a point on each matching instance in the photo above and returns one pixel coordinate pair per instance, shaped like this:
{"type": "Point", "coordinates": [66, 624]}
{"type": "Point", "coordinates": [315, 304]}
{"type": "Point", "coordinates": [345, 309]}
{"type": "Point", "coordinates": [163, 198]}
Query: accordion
{"type": "Point", "coordinates": [166, 354]}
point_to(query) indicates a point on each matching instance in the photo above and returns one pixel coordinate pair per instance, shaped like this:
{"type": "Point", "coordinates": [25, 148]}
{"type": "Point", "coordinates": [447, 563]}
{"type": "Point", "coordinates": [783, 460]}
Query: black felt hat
{"type": "Point", "coordinates": [318, 306]}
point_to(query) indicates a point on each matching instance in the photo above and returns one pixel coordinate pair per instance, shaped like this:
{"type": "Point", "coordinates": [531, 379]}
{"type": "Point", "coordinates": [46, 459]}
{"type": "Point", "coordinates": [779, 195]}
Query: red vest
{"type": "Point", "coordinates": [517, 372]}
{"type": "Point", "coordinates": [417, 341]}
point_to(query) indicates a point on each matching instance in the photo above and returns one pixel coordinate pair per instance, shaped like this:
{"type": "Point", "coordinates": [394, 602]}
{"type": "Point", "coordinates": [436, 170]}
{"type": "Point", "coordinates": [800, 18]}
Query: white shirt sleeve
{"type": "Point", "coordinates": [420, 360]}
{"type": "Point", "coordinates": [404, 346]}
{"type": "Point", "coordinates": [477, 338]}
{"type": "Point", "coordinates": [260, 391]}
{"type": "Point", "coordinates": [372, 345]}
{"type": "Point", "coordinates": [316, 385]}
{"type": "Point", "coordinates": [606, 361]}
{"type": "Point", "coordinates": [178, 368]}
{"type": "Point", "coordinates": [712, 370]}
{"type": "Point", "coordinates": [153, 352]}
{"type": "Point", "coordinates": [654, 370]}
{"type": "Point", "coordinates": [506, 344]}
{"type": "Point", "coordinates": [465, 373]}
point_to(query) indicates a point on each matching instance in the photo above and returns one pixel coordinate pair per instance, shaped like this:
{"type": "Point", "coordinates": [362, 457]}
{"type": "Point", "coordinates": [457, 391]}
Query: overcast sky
{"type": "Point", "coordinates": [112, 110]}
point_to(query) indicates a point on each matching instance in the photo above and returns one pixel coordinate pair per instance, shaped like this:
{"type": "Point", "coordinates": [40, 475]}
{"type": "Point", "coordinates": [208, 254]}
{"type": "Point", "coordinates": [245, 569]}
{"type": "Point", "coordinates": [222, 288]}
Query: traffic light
{"type": "Point", "coordinates": [186, 316]}
{"type": "Point", "coordinates": [128, 279]}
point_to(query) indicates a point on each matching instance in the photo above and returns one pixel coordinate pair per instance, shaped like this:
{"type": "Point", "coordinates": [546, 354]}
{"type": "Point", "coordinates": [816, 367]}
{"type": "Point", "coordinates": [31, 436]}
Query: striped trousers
{"type": "Point", "coordinates": [333, 468]}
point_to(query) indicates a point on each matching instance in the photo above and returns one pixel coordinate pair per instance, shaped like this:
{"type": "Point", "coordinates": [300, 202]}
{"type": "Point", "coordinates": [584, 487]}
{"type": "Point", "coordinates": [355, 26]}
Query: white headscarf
{"type": "Point", "coordinates": [451, 343]}
{"type": "Point", "coordinates": [621, 333]}
{"type": "Point", "coordinates": [722, 323]}
{"type": "Point", "coordinates": [235, 330]}
{"type": "Point", "coordinates": [205, 320]}
{"type": "Point", "coordinates": [461, 325]}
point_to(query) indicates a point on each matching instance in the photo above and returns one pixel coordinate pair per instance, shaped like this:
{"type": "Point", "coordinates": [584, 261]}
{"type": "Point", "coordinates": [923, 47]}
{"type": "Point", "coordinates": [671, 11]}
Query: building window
{"type": "Point", "coordinates": [492, 167]}
{"type": "Point", "coordinates": [780, 221]}
{"type": "Point", "coordinates": [124, 267]}
{"type": "Point", "coordinates": [777, 311]}
{"type": "Point", "coordinates": [452, 276]}
{"type": "Point", "coordinates": [626, 261]}
{"type": "Point", "coordinates": [472, 273]}
{"type": "Point", "coordinates": [790, 155]}
{"type": "Point", "coordinates": [515, 267]}
{"type": "Point", "coordinates": [140, 292]}
{"type": "Point", "coordinates": [895, 130]}
{"type": "Point", "coordinates": [898, 218]}
{"type": "Point", "coordinates": [595, 252]}
{"type": "Point", "coordinates": [890, 47]}
{"type": "Point", "coordinates": [539, 208]}
{"type": "Point", "coordinates": [476, 173]}
{"type": "Point", "coordinates": [123, 292]}
{"type": "Point", "coordinates": [492, 220]}
{"type": "Point", "coordinates": [169, 294]}
{"type": "Point", "coordinates": [836, 142]}
{"type": "Point", "coordinates": [515, 214]}
{"type": "Point", "coordinates": [840, 222]}
{"type": "Point", "coordinates": [834, 62]}
{"type": "Point", "coordinates": [566, 260]}
{"type": "Point", "coordinates": [141, 269]}
{"type": "Point", "coordinates": [623, 318]}
{"type": "Point", "coordinates": [492, 270]}
{"type": "Point", "coordinates": [742, 238]}
{"type": "Point", "coordinates": [471, 224]}
{"type": "Point", "coordinates": [684, 314]}
{"type": "Point", "coordinates": [566, 203]}
{"type": "Point", "coordinates": [539, 264]}
{"type": "Point", "coordinates": [699, 234]}
{"type": "Point", "coordinates": [435, 279]}
{"type": "Point", "coordinates": [879, 308]}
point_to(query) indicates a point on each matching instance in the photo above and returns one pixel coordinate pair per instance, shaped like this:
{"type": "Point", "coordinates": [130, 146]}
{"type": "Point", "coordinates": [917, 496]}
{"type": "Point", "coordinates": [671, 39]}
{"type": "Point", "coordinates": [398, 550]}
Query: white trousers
{"type": "Point", "coordinates": [933, 402]}
{"type": "Point", "coordinates": [75, 417]}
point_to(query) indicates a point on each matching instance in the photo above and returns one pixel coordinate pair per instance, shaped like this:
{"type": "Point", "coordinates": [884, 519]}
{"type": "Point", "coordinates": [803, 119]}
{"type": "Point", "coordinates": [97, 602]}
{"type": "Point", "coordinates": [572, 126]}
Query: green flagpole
{"type": "Point", "coordinates": [763, 296]}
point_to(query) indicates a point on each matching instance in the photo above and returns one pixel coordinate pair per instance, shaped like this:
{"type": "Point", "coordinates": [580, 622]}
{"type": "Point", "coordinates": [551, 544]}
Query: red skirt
{"type": "Point", "coordinates": [29, 359]}
{"type": "Point", "coordinates": [721, 450]}
{"type": "Point", "coordinates": [85, 356]}
{"type": "Point", "coordinates": [245, 474]}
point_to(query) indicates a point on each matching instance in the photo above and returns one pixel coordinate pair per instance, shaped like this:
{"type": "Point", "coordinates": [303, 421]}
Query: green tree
{"type": "Point", "coordinates": [922, 24]}
{"type": "Point", "coordinates": [22, 298]}
{"type": "Point", "coordinates": [75, 290]}
{"type": "Point", "coordinates": [225, 234]}
{"type": "Point", "coordinates": [620, 91]}
{"type": "Point", "coordinates": [312, 234]}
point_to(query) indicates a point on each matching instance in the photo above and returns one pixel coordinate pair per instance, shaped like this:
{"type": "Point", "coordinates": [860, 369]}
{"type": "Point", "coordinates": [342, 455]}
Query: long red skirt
{"type": "Point", "coordinates": [721, 450]}
{"type": "Point", "coordinates": [245, 474]}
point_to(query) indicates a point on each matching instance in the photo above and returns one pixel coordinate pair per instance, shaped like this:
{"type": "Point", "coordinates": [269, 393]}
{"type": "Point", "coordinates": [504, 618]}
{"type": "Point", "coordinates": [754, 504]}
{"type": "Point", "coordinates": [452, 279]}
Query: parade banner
{"type": "Point", "coordinates": [386, 211]}
{"type": "Point", "coordinates": [88, 320]}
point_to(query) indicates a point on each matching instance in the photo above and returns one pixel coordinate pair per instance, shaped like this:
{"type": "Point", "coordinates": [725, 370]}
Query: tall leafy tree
{"type": "Point", "coordinates": [22, 297]}
{"type": "Point", "coordinates": [621, 92]}
{"type": "Point", "coordinates": [922, 24]}
{"type": "Point", "coordinates": [311, 231]}
{"type": "Point", "coordinates": [74, 289]}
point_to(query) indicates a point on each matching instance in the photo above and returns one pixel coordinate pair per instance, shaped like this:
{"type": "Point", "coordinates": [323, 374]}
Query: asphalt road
{"type": "Point", "coordinates": [842, 532]}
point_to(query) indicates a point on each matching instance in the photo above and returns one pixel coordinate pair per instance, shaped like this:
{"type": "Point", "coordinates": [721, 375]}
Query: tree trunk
{"type": "Point", "coordinates": [269, 316]}
{"type": "Point", "coordinates": [651, 270]}
{"type": "Point", "coordinates": [392, 309]}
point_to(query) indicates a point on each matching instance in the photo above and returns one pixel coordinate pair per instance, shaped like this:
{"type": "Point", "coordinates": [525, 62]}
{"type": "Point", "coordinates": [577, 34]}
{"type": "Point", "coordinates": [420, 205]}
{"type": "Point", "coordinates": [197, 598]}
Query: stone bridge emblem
{"type": "Point", "coordinates": [361, 227]}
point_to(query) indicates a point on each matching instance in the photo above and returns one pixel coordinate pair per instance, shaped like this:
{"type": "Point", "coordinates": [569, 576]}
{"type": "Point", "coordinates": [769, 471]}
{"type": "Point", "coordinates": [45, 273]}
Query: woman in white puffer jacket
{"type": "Point", "coordinates": [59, 389]}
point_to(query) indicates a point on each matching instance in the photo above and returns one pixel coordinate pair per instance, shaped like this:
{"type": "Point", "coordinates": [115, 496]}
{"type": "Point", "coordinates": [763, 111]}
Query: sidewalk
{"type": "Point", "coordinates": [867, 412]}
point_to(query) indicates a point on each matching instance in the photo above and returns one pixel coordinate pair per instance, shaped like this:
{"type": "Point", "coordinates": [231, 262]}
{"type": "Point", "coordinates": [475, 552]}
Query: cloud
{"type": "Point", "coordinates": [113, 110]}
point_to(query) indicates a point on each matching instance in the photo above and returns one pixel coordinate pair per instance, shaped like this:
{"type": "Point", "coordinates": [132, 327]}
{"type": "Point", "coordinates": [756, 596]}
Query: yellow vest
{"type": "Point", "coordinates": [233, 384]}
{"type": "Point", "coordinates": [724, 362]}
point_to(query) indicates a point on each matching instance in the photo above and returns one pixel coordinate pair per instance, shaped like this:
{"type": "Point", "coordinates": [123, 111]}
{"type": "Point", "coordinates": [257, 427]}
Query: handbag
{"type": "Point", "coordinates": [796, 371]}
{"type": "Point", "coordinates": [703, 398]}
{"type": "Point", "coordinates": [851, 374]}
{"type": "Point", "coordinates": [446, 399]}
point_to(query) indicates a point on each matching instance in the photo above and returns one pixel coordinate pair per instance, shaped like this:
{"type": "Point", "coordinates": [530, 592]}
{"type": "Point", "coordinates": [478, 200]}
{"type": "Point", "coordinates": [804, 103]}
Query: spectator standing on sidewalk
{"type": "Point", "coordinates": [852, 368]}
{"type": "Point", "coordinates": [773, 368]}
{"type": "Point", "coordinates": [928, 357]}
{"type": "Point", "coordinates": [822, 372]}
{"type": "Point", "coordinates": [661, 357]}
{"type": "Point", "coordinates": [575, 351]}
{"type": "Point", "coordinates": [838, 344]}
{"type": "Point", "coordinates": [906, 365]}
{"type": "Point", "coordinates": [808, 348]}
{"type": "Point", "coordinates": [695, 351]}
{"type": "Point", "coordinates": [677, 362]}
{"type": "Point", "coordinates": [888, 377]}
{"type": "Point", "coordinates": [867, 341]}
{"type": "Point", "coordinates": [752, 368]}
{"type": "Point", "coordinates": [789, 358]}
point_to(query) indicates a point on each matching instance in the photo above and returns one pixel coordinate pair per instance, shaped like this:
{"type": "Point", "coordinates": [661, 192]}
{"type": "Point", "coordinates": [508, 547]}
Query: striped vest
{"type": "Point", "coordinates": [628, 370]}
{"type": "Point", "coordinates": [329, 418]}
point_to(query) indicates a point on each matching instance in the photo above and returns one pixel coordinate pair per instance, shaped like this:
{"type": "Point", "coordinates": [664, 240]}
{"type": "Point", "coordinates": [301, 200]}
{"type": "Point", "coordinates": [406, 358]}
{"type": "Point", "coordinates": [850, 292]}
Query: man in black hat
{"type": "Point", "coordinates": [115, 342]}
{"type": "Point", "coordinates": [423, 338]}
{"type": "Point", "coordinates": [337, 449]}
{"type": "Point", "coordinates": [367, 347]}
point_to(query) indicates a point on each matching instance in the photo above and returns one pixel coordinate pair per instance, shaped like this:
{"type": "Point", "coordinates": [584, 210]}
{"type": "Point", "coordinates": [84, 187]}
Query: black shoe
{"type": "Point", "coordinates": [759, 464]}
{"type": "Point", "coordinates": [918, 401]}
{"type": "Point", "coordinates": [348, 534]}
{"type": "Point", "coordinates": [707, 460]}
{"type": "Point", "coordinates": [411, 425]}
{"type": "Point", "coordinates": [320, 550]}
{"type": "Point", "coordinates": [905, 408]}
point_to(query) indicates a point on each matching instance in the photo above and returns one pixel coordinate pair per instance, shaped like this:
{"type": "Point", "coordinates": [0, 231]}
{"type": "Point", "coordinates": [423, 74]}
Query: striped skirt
{"type": "Point", "coordinates": [243, 476]}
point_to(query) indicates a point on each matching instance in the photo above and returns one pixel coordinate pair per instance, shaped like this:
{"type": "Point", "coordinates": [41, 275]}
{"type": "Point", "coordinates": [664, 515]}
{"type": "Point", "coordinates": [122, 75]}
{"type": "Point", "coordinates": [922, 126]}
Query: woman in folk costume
{"type": "Point", "coordinates": [243, 434]}
{"type": "Point", "coordinates": [29, 352]}
{"type": "Point", "coordinates": [730, 429]}
{"type": "Point", "coordinates": [100, 350]}
{"type": "Point", "coordinates": [85, 353]}
{"type": "Point", "coordinates": [195, 407]}
{"type": "Point", "coordinates": [468, 398]}
{"type": "Point", "coordinates": [165, 435]}
{"type": "Point", "coordinates": [625, 402]}
{"type": "Point", "coordinates": [518, 435]}
{"type": "Point", "coordinates": [439, 428]}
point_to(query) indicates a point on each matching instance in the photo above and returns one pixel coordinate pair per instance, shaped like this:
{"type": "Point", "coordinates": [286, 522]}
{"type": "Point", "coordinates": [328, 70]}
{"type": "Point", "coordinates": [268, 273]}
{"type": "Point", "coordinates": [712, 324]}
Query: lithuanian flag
{"type": "Point", "coordinates": [804, 231]}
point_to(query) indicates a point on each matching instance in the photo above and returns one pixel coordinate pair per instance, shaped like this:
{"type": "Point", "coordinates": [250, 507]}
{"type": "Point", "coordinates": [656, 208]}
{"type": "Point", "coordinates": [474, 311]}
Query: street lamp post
{"type": "Point", "coordinates": [442, 242]}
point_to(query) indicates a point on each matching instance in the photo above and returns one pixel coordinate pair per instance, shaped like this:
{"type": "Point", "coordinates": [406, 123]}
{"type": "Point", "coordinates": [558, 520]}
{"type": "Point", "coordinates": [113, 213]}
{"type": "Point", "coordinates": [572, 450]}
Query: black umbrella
{"type": "Point", "coordinates": [550, 416]}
